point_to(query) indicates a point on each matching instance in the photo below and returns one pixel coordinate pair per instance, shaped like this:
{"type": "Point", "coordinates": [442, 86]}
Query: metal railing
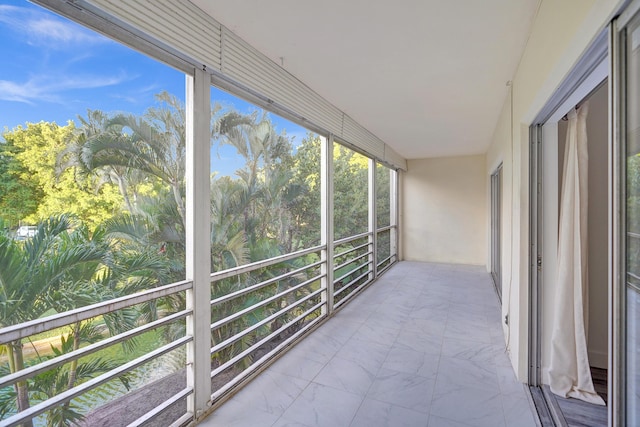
{"type": "Point", "coordinates": [257, 311]}
{"type": "Point", "coordinates": [353, 268]}
{"type": "Point", "coordinates": [16, 333]}
{"type": "Point", "coordinates": [633, 268]}
{"type": "Point", "coordinates": [260, 308]}
{"type": "Point", "coordinates": [385, 253]}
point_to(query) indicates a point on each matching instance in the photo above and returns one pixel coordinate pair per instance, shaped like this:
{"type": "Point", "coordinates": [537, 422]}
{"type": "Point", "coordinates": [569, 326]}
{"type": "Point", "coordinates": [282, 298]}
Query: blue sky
{"type": "Point", "coordinates": [54, 70]}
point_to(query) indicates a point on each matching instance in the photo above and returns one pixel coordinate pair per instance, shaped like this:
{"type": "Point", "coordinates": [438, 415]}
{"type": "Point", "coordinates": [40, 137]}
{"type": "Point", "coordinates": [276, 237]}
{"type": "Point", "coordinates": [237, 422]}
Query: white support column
{"type": "Point", "coordinates": [198, 247]}
{"type": "Point", "coordinates": [393, 209]}
{"type": "Point", "coordinates": [326, 213]}
{"type": "Point", "coordinates": [373, 226]}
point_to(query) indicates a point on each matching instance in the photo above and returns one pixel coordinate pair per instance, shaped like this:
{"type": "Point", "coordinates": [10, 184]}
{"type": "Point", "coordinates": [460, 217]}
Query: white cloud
{"type": "Point", "coordinates": [139, 95]}
{"type": "Point", "coordinates": [50, 89]}
{"type": "Point", "coordinates": [41, 28]}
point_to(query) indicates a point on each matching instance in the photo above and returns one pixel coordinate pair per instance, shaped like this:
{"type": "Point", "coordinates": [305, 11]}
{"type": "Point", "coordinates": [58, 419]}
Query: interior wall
{"type": "Point", "coordinates": [597, 135]}
{"type": "Point", "coordinates": [561, 32]}
{"type": "Point", "coordinates": [445, 212]}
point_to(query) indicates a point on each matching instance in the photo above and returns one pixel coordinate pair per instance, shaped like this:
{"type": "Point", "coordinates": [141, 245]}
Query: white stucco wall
{"type": "Point", "coordinates": [445, 210]}
{"type": "Point", "coordinates": [561, 32]}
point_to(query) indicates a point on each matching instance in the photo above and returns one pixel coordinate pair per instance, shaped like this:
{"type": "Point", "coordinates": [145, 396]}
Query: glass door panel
{"type": "Point", "coordinates": [631, 336]}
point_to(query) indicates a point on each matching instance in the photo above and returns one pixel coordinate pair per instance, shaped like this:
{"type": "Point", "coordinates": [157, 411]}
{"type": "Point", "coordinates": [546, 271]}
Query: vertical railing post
{"type": "Point", "coordinates": [198, 259]}
{"type": "Point", "coordinates": [326, 227]}
{"type": "Point", "coordinates": [393, 220]}
{"type": "Point", "coordinates": [373, 219]}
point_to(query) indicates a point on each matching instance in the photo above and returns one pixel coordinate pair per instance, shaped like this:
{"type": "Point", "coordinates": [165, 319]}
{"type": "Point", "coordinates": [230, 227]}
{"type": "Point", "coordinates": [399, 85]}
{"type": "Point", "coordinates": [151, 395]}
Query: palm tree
{"type": "Point", "coordinates": [264, 177]}
{"type": "Point", "coordinates": [126, 149]}
{"type": "Point", "coordinates": [65, 266]}
{"type": "Point", "coordinates": [228, 241]}
{"type": "Point", "coordinates": [84, 153]}
{"type": "Point", "coordinates": [30, 271]}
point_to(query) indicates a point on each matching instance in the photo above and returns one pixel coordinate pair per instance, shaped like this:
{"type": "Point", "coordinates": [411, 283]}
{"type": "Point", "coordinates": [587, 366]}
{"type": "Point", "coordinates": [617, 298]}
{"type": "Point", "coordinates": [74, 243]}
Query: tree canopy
{"type": "Point", "coordinates": [108, 198]}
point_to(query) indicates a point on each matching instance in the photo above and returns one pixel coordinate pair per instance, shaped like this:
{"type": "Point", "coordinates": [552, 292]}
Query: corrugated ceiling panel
{"type": "Point", "coordinates": [357, 135]}
{"type": "Point", "coordinates": [249, 67]}
{"type": "Point", "coordinates": [183, 27]}
{"type": "Point", "coordinates": [394, 159]}
{"type": "Point", "coordinates": [180, 25]}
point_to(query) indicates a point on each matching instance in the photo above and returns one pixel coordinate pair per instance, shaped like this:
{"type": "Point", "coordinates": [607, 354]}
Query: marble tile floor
{"type": "Point", "coordinates": [421, 347]}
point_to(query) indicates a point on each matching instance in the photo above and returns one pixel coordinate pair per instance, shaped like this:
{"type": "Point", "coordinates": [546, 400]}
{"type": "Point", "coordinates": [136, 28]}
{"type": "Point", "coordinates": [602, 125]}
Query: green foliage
{"type": "Point", "coordinates": [36, 148]}
{"type": "Point", "coordinates": [351, 197]}
{"type": "Point", "coordinates": [120, 179]}
{"type": "Point", "coordinates": [62, 378]}
{"type": "Point", "coordinates": [19, 196]}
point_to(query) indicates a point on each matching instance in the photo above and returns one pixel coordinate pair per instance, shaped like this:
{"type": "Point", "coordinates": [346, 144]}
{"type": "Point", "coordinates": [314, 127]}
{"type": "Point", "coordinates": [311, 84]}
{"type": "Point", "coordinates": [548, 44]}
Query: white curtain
{"type": "Point", "coordinates": [569, 371]}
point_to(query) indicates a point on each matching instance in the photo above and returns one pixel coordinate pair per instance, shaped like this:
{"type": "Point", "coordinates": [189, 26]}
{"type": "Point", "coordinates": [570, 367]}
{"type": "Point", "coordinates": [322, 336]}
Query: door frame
{"type": "Point", "coordinates": [618, 294]}
{"type": "Point", "coordinates": [496, 229]}
{"type": "Point", "coordinates": [586, 76]}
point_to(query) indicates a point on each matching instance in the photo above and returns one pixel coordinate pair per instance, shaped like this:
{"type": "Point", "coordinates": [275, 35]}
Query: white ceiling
{"type": "Point", "coordinates": [426, 76]}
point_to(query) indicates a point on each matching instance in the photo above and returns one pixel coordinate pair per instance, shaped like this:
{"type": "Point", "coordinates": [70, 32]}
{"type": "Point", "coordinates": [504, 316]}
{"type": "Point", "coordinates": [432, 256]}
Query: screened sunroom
{"type": "Point", "coordinates": [322, 214]}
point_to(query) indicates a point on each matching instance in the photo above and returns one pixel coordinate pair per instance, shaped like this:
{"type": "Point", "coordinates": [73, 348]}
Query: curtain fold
{"type": "Point", "coordinates": [569, 371]}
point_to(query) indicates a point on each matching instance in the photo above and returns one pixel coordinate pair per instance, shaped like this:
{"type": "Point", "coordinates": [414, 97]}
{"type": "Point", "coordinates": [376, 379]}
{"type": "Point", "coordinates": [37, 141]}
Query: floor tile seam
{"type": "Point", "coordinates": [333, 388]}
{"type": "Point", "coordinates": [495, 373]}
{"type": "Point", "coordinates": [300, 394]}
{"type": "Point", "coordinates": [389, 404]}
{"type": "Point", "coordinates": [468, 324]}
{"type": "Point", "coordinates": [380, 367]}
{"type": "Point", "coordinates": [504, 410]}
{"type": "Point", "coordinates": [248, 390]}
{"type": "Point", "coordinates": [463, 334]}
{"type": "Point", "coordinates": [481, 391]}
{"type": "Point", "coordinates": [448, 419]}
{"type": "Point", "coordinates": [300, 378]}
{"type": "Point", "coordinates": [375, 374]}
{"type": "Point", "coordinates": [369, 324]}
{"type": "Point", "coordinates": [406, 407]}
{"type": "Point", "coordinates": [399, 344]}
{"type": "Point", "coordinates": [433, 391]}
{"type": "Point", "coordinates": [355, 414]}
{"type": "Point", "coordinates": [466, 359]}
{"type": "Point", "coordinates": [522, 398]}
{"type": "Point", "coordinates": [410, 373]}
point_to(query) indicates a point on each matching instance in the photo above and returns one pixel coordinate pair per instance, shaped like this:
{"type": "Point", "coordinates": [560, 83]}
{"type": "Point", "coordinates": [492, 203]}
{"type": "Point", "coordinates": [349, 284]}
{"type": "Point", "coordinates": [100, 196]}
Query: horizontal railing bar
{"type": "Point", "coordinates": [635, 276]}
{"type": "Point", "coordinates": [385, 260]}
{"type": "Point", "coordinates": [257, 286]}
{"type": "Point", "coordinates": [351, 261]}
{"type": "Point", "coordinates": [263, 322]}
{"type": "Point", "coordinates": [350, 272]}
{"type": "Point", "coordinates": [634, 235]}
{"type": "Point", "coordinates": [385, 268]}
{"type": "Point", "coordinates": [92, 348]}
{"type": "Point", "coordinates": [351, 295]}
{"type": "Point", "coordinates": [635, 287]}
{"type": "Point", "coordinates": [247, 268]}
{"type": "Point", "coordinates": [348, 251]}
{"type": "Point", "coordinates": [238, 314]}
{"type": "Point", "coordinates": [183, 420]}
{"type": "Point", "coordinates": [222, 390]}
{"type": "Point", "coordinates": [161, 408]}
{"type": "Point", "coordinates": [387, 228]}
{"type": "Point", "coordinates": [345, 287]}
{"type": "Point", "coordinates": [32, 327]}
{"type": "Point", "coordinates": [266, 339]}
{"type": "Point", "coordinates": [351, 238]}
{"type": "Point", "coordinates": [66, 396]}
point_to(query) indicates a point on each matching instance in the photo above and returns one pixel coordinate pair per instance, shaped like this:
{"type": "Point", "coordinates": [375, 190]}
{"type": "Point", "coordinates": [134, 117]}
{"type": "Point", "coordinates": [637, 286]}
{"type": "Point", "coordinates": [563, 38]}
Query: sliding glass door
{"type": "Point", "coordinates": [632, 200]}
{"type": "Point", "coordinates": [627, 294]}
